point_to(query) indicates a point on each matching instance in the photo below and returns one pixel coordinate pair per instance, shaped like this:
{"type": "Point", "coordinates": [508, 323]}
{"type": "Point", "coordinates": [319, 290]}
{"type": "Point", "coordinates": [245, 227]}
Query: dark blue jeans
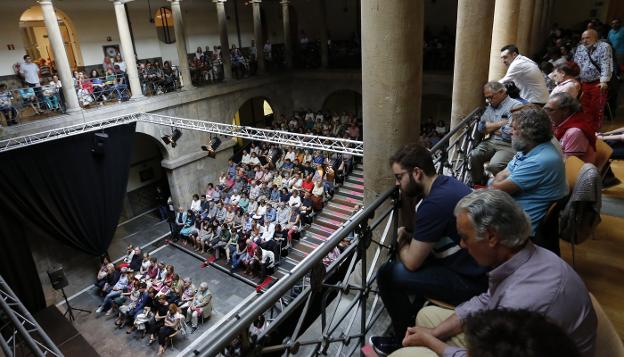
{"type": "Point", "coordinates": [432, 280]}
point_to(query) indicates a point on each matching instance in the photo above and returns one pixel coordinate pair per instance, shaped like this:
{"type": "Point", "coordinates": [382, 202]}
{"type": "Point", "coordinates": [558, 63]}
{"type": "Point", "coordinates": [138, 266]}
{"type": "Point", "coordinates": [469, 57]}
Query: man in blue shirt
{"type": "Point", "coordinates": [616, 39]}
{"type": "Point", "coordinates": [430, 262]}
{"type": "Point", "coordinates": [495, 121]}
{"type": "Point", "coordinates": [535, 177]}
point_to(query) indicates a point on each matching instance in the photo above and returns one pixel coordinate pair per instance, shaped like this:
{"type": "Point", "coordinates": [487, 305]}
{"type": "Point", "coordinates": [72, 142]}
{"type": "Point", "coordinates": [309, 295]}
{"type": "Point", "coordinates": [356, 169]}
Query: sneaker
{"type": "Point", "coordinates": [384, 345]}
{"type": "Point", "coordinates": [99, 310]}
{"type": "Point", "coordinates": [109, 312]}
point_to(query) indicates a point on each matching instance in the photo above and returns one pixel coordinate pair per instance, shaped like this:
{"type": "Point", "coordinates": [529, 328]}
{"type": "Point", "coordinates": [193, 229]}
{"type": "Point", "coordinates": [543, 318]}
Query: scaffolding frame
{"type": "Point", "coordinates": [324, 143]}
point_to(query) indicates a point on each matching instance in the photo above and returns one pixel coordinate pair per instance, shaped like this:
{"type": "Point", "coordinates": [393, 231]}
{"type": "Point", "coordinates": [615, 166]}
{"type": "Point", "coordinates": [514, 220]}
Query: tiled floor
{"type": "Point", "coordinates": [100, 331]}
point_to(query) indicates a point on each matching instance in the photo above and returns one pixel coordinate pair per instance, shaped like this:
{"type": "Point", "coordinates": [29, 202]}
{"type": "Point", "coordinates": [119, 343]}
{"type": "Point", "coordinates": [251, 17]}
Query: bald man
{"type": "Point", "coordinates": [596, 62]}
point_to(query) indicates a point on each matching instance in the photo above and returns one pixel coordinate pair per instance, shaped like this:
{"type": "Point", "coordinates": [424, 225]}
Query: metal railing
{"type": "Point", "coordinates": [20, 330]}
{"type": "Point", "coordinates": [100, 90]}
{"type": "Point", "coordinates": [450, 154]}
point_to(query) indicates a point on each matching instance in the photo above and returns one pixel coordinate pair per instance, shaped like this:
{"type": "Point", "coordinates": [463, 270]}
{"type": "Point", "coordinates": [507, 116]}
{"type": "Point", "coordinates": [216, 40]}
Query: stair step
{"type": "Point", "coordinates": [355, 179]}
{"type": "Point", "coordinates": [350, 193]}
{"type": "Point", "coordinates": [304, 246]}
{"type": "Point", "coordinates": [347, 201]}
{"type": "Point", "coordinates": [353, 186]}
{"type": "Point", "coordinates": [314, 238]}
{"type": "Point", "coordinates": [357, 174]}
{"type": "Point", "coordinates": [330, 212]}
{"type": "Point", "coordinates": [333, 205]}
{"type": "Point", "coordinates": [328, 222]}
{"type": "Point", "coordinates": [321, 231]}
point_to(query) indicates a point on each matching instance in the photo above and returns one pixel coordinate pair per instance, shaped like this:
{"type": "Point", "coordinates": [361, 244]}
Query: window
{"type": "Point", "coordinates": [163, 19]}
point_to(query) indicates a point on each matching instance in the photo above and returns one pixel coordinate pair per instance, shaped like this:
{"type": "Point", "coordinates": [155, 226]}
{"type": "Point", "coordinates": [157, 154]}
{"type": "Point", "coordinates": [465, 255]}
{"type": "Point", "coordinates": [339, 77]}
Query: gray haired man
{"type": "Point", "coordinates": [495, 231]}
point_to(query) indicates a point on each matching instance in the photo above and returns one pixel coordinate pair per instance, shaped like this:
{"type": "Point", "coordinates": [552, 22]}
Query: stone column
{"type": "Point", "coordinates": [180, 36]}
{"type": "Point", "coordinates": [324, 36]}
{"type": "Point", "coordinates": [288, 61]}
{"type": "Point", "coordinates": [525, 20]}
{"type": "Point", "coordinates": [504, 32]}
{"type": "Point", "coordinates": [257, 19]}
{"type": "Point", "coordinates": [60, 56]}
{"type": "Point", "coordinates": [225, 42]}
{"type": "Point", "coordinates": [473, 39]}
{"type": "Point", "coordinates": [535, 26]}
{"type": "Point", "coordinates": [127, 52]}
{"type": "Point", "coordinates": [392, 43]}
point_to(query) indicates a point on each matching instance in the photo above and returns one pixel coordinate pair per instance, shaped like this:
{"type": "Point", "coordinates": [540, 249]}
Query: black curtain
{"type": "Point", "coordinates": [61, 190]}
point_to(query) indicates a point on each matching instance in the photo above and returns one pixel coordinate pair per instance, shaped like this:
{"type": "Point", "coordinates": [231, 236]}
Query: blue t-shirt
{"type": "Point", "coordinates": [540, 174]}
{"type": "Point", "coordinates": [435, 223]}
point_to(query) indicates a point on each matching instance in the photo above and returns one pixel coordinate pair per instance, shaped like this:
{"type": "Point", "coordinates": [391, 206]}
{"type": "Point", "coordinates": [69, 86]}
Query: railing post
{"type": "Point", "coordinates": [363, 244]}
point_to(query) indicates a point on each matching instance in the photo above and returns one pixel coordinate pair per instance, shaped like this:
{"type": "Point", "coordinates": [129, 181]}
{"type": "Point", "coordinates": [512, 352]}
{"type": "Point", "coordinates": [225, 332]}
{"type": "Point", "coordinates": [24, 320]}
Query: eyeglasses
{"type": "Point", "coordinates": [399, 176]}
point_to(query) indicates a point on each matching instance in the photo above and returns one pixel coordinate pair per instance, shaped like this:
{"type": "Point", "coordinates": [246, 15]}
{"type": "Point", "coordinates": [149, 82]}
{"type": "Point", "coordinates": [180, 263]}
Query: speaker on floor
{"type": "Point", "coordinates": [57, 277]}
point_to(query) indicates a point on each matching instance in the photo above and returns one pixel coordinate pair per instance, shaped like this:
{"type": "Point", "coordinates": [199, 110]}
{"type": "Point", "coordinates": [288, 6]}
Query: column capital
{"type": "Point", "coordinates": [256, 1]}
{"type": "Point", "coordinates": [44, 2]}
{"type": "Point", "coordinates": [285, 2]}
{"type": "Point", "coordinates": [174, 1]}
{"type": "Point", "coordinates": [120, 1]}
{"type": "Point", "coordinates": [218, 1]}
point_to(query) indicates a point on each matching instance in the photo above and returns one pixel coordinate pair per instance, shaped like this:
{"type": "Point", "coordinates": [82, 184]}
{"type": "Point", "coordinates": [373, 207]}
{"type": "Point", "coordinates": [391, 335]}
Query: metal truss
{"type": "Point", "coordinates": [59, 133]}
{"type": "Point", "coordinates": [338, 145]}
{"type": "Point", "coordinates": [20, 330]}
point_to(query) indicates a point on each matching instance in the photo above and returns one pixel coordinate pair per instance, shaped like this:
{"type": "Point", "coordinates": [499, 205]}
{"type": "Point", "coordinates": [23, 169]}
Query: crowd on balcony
{"type": "Point", "coordinates": [497, 248]}
{"type": "Point", "coordinates": [148, 297]}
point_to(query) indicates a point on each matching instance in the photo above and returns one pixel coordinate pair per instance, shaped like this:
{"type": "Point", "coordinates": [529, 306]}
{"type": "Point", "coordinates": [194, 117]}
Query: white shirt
{"type": "Point", "coordinates": [294, 201]}
{"type": "Point", "coordinates": [30, 71]}
{"type": "Point", "coordinates": [528, 78]}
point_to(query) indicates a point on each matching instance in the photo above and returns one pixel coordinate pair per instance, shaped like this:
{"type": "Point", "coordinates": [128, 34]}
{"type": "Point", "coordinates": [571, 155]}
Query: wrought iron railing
{"type": "Point", "coordinates": [345, 307]}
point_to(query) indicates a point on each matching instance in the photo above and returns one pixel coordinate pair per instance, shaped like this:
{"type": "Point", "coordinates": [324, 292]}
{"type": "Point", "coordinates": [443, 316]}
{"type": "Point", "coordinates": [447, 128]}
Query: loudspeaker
{"type": "Point", "coordinates": [99, 143]}
{"type": "Point", "coordinates": [57, 277]}
{"type": "Point", "coordinates": [215, 143]}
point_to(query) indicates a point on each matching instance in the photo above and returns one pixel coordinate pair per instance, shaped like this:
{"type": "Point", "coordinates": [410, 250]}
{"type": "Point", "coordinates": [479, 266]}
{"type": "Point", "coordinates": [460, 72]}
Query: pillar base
{"type": "Point", "coordinates": [73, 110]}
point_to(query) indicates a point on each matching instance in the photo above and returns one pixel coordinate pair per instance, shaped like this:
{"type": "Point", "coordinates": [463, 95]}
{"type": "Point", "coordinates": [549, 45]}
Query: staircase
{"type": "Point", "coordinates": [336, 211]}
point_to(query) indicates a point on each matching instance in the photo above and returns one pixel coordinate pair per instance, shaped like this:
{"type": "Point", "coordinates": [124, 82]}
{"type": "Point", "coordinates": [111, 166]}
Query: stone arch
{"type": "Point", "coordinates": [156, 132]}
{"type": "Point", "coordinates": [252, 112]}
{"type": "Point", "coordinates": [341, 100]}
{"type": "Point", "coordinates": [32, 28]}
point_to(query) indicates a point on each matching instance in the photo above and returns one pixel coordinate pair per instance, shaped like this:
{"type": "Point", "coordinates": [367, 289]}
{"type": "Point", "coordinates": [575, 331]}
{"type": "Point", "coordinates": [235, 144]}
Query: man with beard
{"type": "Point", "coordinates": [535, 177]}
{"type": "Point", "coordinates": [429, 262]}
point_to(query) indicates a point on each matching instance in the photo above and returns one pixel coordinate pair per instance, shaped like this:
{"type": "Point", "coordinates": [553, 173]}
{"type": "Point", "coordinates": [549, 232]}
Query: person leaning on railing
{"type": "Point", "coordinates": [429, 262]}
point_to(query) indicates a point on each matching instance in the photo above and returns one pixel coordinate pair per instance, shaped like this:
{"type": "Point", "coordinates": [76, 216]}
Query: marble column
{"type": "Point", "coordinates": [473, 39]}
{"type": "Point", "coordinates": [60, 56]}
{"type": "Point", "coordinates": [535, 26]}
{"type": "Point", "coordinates": [180, 36]}
{"type": "Point", "coordinates": [225, 42]}
{"type": "Point", "coordinates": [525, 21]}
{"type": "Point", "coordinates": [127, 52]}
{"type": "Point", "coordinates": [392, 51]}
{"type": "Point", "coordinates": [504, 32]}
{"type": "Point", "coordinates": [288, 53]}
{"type": "Point", "coordinates": [324, 36]}
{"type": "Point", "coordinates": [257, 19]}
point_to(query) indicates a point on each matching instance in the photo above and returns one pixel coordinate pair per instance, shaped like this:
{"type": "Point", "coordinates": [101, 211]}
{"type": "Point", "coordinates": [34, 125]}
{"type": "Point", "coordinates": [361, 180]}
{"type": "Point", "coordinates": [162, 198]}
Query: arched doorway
{"type": "Point", "coordinates": [35, 37]}
{"type": "Point", "coordinates": [146, 173]}
{"type": "Point", "coordinates": [256, 112]}
{"type": "Point", "coordinates": [345, 100]}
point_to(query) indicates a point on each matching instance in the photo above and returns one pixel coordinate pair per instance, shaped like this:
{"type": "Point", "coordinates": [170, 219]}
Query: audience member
{"type": "Point", "coordinates": [572, 127]}
{"type": "Point", "coordinates": [495, 230]}
{"type": "Point", "coordinates": [429, 262]}
{"type": "Point", "coordinates": [496, 122]}
{"type": "Point", "coordinates": [535, 177]}
{"type": "Point", "coordinates": [525, 74]}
